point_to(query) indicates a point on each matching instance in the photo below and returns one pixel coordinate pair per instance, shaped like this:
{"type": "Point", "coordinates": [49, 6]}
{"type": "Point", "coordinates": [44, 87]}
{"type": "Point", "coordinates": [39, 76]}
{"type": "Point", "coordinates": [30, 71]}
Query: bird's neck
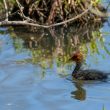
{"type": "Point", "coordinates": [77, 67]}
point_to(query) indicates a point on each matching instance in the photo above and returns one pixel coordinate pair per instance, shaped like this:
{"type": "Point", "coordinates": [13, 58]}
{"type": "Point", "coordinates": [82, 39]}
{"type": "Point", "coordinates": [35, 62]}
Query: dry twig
{"type": "Point", "coordinates": [6, 9]}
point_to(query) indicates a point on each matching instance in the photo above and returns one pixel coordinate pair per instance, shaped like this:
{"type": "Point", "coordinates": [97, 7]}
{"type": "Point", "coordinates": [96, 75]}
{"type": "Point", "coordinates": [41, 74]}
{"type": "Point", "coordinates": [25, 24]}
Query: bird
{"type": "Point", "coordinates": [89, 74]}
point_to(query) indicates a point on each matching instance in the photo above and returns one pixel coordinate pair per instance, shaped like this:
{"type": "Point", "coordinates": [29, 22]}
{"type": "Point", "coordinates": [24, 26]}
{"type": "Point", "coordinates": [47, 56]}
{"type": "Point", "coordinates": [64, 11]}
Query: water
{"type": "Point", "coordinates": [35, 74]}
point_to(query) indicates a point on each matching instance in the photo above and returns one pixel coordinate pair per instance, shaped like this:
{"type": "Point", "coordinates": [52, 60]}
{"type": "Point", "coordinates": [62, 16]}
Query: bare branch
{"type": "Point", "coordinates": [25, 23]}
{"type": "Point", "coordinates": [22, 14]}
{"type": "Point", "coordinates": [6, 9]}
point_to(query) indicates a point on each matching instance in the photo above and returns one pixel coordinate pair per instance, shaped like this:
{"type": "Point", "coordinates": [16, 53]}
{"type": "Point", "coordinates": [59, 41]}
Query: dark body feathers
{"type": "Point", "coordinates": [89, 75]}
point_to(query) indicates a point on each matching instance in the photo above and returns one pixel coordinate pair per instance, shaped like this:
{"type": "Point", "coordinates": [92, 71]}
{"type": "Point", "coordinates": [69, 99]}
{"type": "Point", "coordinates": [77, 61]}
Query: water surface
{"type": "Point", "coordinates": [34, 73]}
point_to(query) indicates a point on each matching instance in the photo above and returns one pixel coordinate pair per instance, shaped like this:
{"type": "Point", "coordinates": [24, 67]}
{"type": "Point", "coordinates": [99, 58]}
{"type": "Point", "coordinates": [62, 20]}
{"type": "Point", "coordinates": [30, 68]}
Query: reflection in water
{"type": "Point", "coordinates": [48, 46]}
{"type": "Point", "coordinates": [61, 42]}
{"type": "Point", "coordinates": [80, 92]}
{"type": "Point", "coordinates": [29, 70]}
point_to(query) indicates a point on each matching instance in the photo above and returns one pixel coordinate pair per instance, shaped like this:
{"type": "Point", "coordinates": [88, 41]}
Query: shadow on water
{"type": "Point", "coordinates": [34, 67]}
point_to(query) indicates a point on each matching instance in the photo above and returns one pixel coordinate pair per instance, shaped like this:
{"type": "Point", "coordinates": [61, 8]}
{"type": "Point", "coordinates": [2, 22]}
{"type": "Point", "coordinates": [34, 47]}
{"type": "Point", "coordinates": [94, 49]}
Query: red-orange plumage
{"type": "Point", "coordinates": [77, 57]}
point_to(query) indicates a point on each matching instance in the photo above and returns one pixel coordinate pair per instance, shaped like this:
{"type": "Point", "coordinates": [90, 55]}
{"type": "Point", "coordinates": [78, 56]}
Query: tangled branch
{"type": "Point", "coordinates": [27, 21]}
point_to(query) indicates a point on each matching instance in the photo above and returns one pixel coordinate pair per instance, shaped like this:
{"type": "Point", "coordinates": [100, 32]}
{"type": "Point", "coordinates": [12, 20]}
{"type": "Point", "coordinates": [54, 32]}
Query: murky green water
{"type": "Point", "coordinates": [35, 74]}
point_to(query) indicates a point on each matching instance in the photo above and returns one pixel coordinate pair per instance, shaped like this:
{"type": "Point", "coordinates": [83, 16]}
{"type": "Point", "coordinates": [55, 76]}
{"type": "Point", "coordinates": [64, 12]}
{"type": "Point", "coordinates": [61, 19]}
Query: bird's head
{"type": "Point", "coordinates": [77, 57]}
